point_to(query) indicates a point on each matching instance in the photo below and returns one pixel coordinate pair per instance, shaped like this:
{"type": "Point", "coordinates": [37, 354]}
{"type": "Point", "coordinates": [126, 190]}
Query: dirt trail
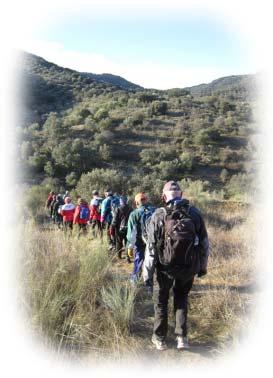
{"type": "Point", "coordinates": [143, 326]}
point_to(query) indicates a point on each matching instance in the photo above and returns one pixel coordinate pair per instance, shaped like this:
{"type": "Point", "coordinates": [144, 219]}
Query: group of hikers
{"type": "Point", "coordinates": [168, 245]}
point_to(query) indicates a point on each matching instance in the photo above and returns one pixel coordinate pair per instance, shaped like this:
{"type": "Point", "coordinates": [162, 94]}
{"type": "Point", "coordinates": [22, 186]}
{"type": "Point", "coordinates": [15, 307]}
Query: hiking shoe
{"type": "Point", "coordinates": [160, 345]}
{"type": "Point", "coordinates": [182, 342]}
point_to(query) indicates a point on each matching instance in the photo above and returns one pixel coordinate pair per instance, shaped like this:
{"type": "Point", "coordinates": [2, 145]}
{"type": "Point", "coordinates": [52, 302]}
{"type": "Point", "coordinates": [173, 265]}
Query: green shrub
{"type": "Point", "coordinates": [49, 169]}
{"type": "Point", "coordinates": [105, 137]}
{"type": "Point", "coordinates": [159, 108]}
{"type": "Point", "coordinates": [34, 200]}
{"type": "Point", "coordinates": [195, 191]}
{"type": "Point", "coordinates": [101, 114]}
{"type": "Point", "coordinates": [106, 124]}
{"type": "Point", "coordinates": [105, 152]}
{"type": "Point", "coordinates": [202, 138]}
{"type": "Point", "coordinates": [242, 187]}
{"type": "Point", "coordinates": [26, 150]}
{"type": "Point", "coordinates": [71, 179]}
{"type": "Point", "coordinates": [167, 169]}
{"type": "Point", "coordinates": [186, 161]}
{"type": "Point", "coordinates": [100, 179]}
{"type": "Point", "coordinates": [224, 175]}
{"type": "Point", "coordinates": [135, 119]}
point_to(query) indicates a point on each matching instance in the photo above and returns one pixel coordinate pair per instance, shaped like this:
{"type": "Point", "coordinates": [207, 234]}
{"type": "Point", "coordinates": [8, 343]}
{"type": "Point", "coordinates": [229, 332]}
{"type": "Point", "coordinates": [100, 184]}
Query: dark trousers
{"type": "Point", "coordinates": [96, 224]}
{"type": "Point", "coordinates": [110, 239]}
{"type": "Point", "coordinates": [82, 229]}
{"type": "Point", "coordinates": [121, 242]}
{"type": "Point", "coordinates": [161, 298]}
{"type": "Point", "coordinates": [68, 226]}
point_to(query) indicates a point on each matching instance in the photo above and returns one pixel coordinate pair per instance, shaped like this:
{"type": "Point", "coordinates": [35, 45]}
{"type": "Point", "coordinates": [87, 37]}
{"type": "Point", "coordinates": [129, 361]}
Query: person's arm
{"type": "Point", "coordinates": [91, 209]}
{"type": "Point", "coordinates": [153, 231]}
{"type": "Point", "coordinates": [55, 209]}
{"type": "Point", "coordinates": [203, 246]}
{"type": "Point", "coordinates": [115, 219]}
{"type": "Point", "coordinates": [131, 231]}
{"type": "Point", "coordinates": [62, 211]}
{"type": "Point", "coordinates": [76, 214]}
{"type": "Point", "coordinates": [103, 210]}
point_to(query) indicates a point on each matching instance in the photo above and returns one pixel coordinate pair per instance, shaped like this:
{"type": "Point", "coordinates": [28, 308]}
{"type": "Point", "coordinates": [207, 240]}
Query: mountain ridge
{"type": "Point", "coordinates": [122, 83]}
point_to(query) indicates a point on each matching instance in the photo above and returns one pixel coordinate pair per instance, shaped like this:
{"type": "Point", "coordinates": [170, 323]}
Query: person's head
{"type": "Point", "coordinates": [59, 197]}
{"type": "Point", "coordinates": [51, 193]}
{"type": "Point", "coordinates": [108, 192]}
{"type": "Point", "coordinates": [140, 199]}
{"type": "Point", "coordinates": [123, 200]}
{"type": "Point", "coordinates": [67, 200]}
{"type": "Point", "coordinates": [171, 191]}
{"type": "Point", "coordinates": [95, 193]}
{"type": "Point", "coordinates": [82, 201]}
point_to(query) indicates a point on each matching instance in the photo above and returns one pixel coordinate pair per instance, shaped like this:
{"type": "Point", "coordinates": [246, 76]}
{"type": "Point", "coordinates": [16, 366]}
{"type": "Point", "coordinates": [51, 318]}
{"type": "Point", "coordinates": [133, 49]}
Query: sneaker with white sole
{"type": "Point", "coordinates": [182, 342]}
{"type": "Point", "coordinates": [160, 345]}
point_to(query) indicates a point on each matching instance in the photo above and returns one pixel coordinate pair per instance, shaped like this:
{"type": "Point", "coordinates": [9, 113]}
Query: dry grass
{"type": "Point", "coordinates": [78, 297]}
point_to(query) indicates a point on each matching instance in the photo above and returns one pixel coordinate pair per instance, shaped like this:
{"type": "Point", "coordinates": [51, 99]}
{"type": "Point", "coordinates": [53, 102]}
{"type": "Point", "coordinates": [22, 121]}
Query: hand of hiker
{"type": "Point", "coordinates": [130, 252]}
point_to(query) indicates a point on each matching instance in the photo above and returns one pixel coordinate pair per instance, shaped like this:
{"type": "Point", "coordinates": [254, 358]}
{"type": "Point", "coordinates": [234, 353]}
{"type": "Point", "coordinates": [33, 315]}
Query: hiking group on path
{"type": "Point", "coordinates": [168, 245]}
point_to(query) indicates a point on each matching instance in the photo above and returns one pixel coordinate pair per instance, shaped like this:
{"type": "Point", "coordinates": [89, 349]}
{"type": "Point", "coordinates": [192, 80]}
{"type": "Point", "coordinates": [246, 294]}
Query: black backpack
{"type": "Point", "coordinates": [123, 226]}
{"type": "Point", "coordinates": [178, 256]}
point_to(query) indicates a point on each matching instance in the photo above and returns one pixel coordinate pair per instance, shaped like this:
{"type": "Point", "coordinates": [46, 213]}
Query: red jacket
{"type": "Point", "coordinates": [49, 200]}
{"type": "Point", "coordinates": [95, 209]}
{"type": "Point", "coordinates": [67, 211]}
{"type": "Point", "coordinates": [77, 219]}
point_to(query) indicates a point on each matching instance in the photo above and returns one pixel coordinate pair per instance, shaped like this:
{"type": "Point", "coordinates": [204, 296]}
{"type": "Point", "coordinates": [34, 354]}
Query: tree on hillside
{"type": "Point", "coordinates": [100, 179]}
{"type": "Point", "coordinates": [53, 129]}
{"type": "Point", "coordinates": [159, 108]}
{"type": "Point", "coordinates": [101, 114]}
{"type": "Point", "coordinates": [177, 92]}
{"type": "Point", "coordinates": [26, 150]}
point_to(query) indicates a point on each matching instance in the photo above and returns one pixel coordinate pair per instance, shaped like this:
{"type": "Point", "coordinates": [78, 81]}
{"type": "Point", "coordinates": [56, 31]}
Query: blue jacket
{"type": "Point", "coordinates": [106, 212]}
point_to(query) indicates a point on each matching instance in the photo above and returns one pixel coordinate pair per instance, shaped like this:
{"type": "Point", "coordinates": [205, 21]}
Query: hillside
{"type": "Point", "coordinates": [53, 88]}
{"type": "Point", "coordinates": [79, 133]}
{"type": "Point", "coordinates": [74, 124]}
{"type": "Point", "coordinates": [239, 86]}
{"type": "Point", "coordinates": [114, 80]}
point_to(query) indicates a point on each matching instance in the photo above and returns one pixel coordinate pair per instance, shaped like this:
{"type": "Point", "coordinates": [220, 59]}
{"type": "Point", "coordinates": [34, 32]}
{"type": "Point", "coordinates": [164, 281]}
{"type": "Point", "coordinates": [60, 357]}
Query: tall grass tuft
{"type": "Point", "coordinates": [120, 300]}
{"type": "Point", "coordinates": [66, 284]}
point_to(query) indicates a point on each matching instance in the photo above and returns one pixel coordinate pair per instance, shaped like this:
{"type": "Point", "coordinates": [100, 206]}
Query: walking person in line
{"type": "Point", "coordinates": [177, 250]}
{"type": "Point", "coordinates": [66, 194]}
{"type": "Point", "coordinates": [119, 225]}
{"type": "Point", "coordinates": [51, 207]}
{"type": "Point", "coordinates": [67, 212]}
{"type": "Point", "coordinates": [81, 216]}
{"type": "Point", "coordinates": [49, 199]}
{"type": "Point", "coordinates": [135, 241]}
{"type": "Point", "coordinates": [56, 213]}
{"type": "Point", "coordinates": [106, 216]}
{"type": "Point", "coordinates": [95, 214]}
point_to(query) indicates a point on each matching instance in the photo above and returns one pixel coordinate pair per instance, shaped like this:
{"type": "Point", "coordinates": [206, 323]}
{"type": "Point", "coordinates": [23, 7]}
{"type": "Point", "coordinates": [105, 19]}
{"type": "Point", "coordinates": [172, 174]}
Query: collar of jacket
{"type": "Point", "coordinates": [174, 201]}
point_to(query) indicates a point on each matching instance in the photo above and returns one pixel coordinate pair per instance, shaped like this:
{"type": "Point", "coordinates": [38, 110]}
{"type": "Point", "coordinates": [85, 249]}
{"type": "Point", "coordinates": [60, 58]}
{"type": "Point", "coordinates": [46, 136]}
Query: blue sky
{"type": "Point", "coordinates": [160, 50]}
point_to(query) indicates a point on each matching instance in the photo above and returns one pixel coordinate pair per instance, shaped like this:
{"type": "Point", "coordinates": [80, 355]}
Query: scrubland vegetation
{"type": "Point", "coordinates": [78, 297]}
{"type": "Point", "coordinates": [146, 136]}
{"type": "Point", "coordinates": [81, 134]}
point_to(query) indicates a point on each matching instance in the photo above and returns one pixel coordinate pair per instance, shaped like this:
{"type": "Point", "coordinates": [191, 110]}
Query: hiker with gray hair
{"type": "Point", "coordinates": [176, 251]}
